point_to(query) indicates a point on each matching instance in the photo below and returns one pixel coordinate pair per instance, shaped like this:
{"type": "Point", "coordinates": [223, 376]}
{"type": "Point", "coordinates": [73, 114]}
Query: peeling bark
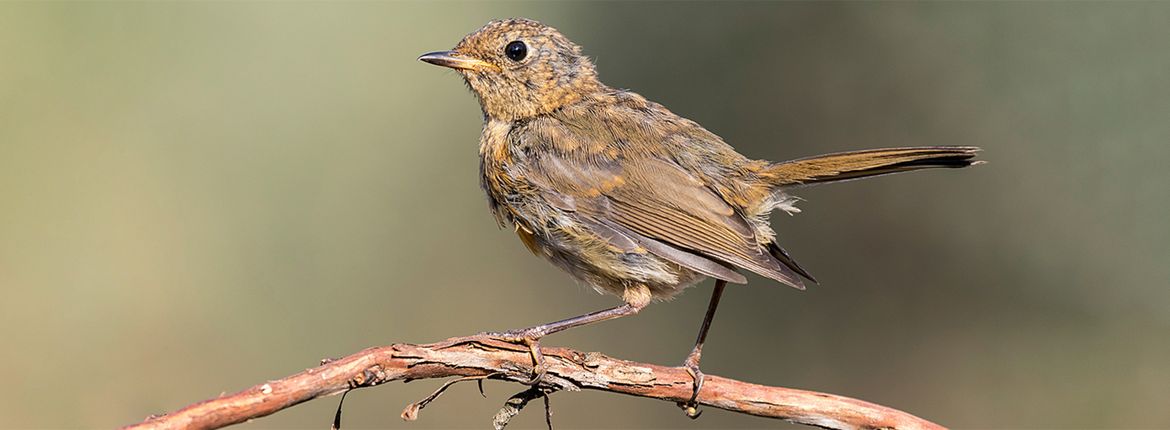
{"type": "Point", "coordinates": [568, 370]}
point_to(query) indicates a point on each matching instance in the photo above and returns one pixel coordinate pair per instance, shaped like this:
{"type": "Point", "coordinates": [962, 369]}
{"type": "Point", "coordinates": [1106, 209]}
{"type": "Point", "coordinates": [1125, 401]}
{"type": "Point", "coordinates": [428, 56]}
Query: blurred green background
{"type": "Point", "coordinates": [196, 197]}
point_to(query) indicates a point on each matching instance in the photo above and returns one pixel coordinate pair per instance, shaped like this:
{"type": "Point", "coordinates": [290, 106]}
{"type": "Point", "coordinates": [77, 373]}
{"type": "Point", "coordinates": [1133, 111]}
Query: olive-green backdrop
{"type": "Point", "coordinates": [199, 196]}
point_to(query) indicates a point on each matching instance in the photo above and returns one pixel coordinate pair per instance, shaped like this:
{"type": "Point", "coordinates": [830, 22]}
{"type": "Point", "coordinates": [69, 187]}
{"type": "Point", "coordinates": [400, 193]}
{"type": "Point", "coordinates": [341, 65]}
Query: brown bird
{"type": "Point", "coordinates": [625, 195]}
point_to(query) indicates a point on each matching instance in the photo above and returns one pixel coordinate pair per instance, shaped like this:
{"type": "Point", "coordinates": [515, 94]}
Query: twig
{"type": "Point", "coordinates": [411, 411]}
{"type": "Point", "coordinates": [547, 411]}
{"type": "Point", "coordinates": [517, 402]}
{"type": "Point", "coordinates": [337, 414]}
{"type": "Point", "coordinates": [567, 370]}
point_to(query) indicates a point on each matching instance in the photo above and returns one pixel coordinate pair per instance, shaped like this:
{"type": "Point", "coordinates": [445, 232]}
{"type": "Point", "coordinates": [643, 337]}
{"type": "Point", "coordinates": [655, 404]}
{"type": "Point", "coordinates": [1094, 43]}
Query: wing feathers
{"type": "Point", "coordinates": [681, 257]}
{"type": "Point", "coordinates": [665, 209]}
{"type": "Point", "coordinates": [684, 230]}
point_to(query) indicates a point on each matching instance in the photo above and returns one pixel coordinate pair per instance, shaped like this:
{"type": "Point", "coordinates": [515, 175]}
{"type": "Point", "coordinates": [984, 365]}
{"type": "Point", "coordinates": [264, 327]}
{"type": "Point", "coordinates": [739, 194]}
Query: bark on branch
{"type": "Point", "coordinates": [568, 370]}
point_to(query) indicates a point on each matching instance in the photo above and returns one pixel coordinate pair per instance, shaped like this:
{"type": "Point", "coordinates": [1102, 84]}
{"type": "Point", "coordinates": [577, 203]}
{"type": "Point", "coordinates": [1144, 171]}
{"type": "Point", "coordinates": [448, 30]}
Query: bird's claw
{"type": "Point", "coordinates": [531, 339]}
{"type": "Point", "coordinates": [691, 407]}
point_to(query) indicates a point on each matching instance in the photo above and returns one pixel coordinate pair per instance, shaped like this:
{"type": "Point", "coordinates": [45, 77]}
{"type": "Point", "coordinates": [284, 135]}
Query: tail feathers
{"type": "Point", "coordinates": [782, 256]}
{"type": "Point", "coordinates": [860, 164]}
{"type": "Point", "coordinates": [854, 165]}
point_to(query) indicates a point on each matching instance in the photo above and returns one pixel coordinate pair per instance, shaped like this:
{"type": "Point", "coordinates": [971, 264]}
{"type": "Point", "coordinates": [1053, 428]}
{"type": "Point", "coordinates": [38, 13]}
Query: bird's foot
{"type": "Point", "coordinates": [691, 407]}
{"type": "Point", "coordinates": [529, 337]}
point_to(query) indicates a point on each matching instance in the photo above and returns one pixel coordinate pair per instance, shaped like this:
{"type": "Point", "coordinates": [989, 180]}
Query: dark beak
{"type": "Point", "coordinates": [458, 61]}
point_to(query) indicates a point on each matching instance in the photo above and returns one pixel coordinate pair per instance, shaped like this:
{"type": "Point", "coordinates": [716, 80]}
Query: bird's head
{"type": "Point", "coordinates": [520, 68]}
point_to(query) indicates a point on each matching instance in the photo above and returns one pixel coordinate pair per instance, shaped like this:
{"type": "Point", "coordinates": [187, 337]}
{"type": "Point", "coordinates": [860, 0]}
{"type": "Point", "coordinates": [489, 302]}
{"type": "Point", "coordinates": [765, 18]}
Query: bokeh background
{"type": "Point", "coordinates": [196, 197]}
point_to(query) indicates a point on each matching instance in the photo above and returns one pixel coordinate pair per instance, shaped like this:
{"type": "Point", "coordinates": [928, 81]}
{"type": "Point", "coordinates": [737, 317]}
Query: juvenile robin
{"type": "Point", "coordinates": [623, 194]}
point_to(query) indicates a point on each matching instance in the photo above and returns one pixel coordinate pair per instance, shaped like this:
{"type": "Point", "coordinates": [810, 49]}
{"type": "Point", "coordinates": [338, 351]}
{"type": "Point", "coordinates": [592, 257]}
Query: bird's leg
{"type": "Point", "coordinates": [691, 407]}
{"type": "Point", "coordinates": [530, 336]}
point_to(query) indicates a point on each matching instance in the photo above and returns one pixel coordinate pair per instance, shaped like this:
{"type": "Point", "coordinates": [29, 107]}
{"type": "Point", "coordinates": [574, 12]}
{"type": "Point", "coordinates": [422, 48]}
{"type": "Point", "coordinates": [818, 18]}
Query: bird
{"type": "Point", "coordinates": [625, 195]}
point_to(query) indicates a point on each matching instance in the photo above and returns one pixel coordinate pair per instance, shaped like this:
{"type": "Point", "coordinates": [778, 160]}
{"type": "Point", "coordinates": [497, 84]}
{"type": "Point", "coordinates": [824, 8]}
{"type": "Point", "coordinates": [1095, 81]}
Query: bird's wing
{"type": "Point", "coordinates": [670, 212]}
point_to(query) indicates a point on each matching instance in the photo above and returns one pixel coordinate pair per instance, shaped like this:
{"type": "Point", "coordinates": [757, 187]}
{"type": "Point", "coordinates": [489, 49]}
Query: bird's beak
{"type": "Point", "coordinates": [457, 61]}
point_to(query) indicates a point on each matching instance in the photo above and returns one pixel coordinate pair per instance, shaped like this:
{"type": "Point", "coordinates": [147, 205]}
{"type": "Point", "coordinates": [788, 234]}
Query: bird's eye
{"type": "Point", "coordinates": [516, 50]}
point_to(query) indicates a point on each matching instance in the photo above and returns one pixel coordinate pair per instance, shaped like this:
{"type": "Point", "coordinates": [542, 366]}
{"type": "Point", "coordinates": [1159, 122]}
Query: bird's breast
{"type": "Point", "coordinates": [509, 178]}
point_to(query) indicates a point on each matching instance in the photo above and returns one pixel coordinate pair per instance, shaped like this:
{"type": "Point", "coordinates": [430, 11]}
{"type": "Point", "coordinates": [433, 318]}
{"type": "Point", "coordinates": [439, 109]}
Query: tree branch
{"type": "Point", "coordinates": [568, 370]}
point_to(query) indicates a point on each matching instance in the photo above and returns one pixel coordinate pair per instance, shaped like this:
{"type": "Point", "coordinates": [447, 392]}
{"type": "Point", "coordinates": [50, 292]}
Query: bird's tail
{"type": "Point", "coordinates": [844, 166]}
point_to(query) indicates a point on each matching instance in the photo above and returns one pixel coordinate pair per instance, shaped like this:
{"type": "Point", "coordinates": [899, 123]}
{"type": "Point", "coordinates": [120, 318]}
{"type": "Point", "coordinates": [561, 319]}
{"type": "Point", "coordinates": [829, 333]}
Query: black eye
{"type": "Point", "coordinates": [516, 50]}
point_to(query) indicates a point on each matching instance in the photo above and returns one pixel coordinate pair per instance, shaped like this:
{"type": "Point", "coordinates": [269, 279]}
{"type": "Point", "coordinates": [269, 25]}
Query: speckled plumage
{"type": "Point", "coordinates": [622, 193]}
